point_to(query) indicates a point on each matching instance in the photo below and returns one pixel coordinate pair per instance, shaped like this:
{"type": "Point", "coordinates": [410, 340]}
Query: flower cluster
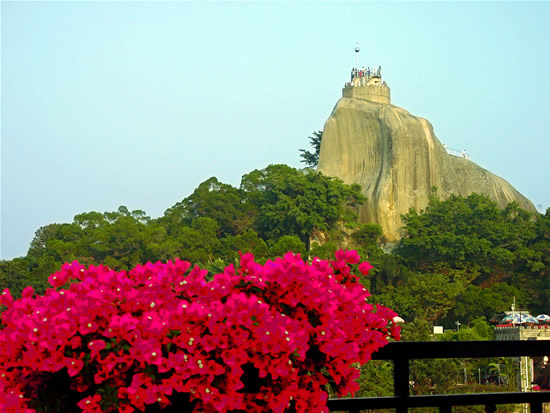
{"type": "Point", "coordinates": [257, 338]}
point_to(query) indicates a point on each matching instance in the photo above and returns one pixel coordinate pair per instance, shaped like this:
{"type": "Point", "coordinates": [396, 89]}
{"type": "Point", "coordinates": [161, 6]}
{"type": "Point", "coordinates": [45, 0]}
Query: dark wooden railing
{"type": "Point", "coordinates": [402, 352]}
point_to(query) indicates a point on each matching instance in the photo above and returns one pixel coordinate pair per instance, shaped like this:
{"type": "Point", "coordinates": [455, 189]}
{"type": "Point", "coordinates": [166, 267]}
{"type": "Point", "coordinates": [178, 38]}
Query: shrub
{"type": "Point", "coordinates": [256, 338]}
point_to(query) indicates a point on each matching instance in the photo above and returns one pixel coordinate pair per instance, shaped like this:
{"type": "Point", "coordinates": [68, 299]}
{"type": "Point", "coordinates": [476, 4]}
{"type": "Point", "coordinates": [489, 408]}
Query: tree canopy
{"type": "Point", "coordinates": [293, 202]}
{"type": "Point", "coordinates": [460, 259]}
{"type": "Point", "coordinates": [502, 253]}
{"type": "Point", "coordinates": [311, 159]}
{"type": "Point", "coordinates": [274, 210]}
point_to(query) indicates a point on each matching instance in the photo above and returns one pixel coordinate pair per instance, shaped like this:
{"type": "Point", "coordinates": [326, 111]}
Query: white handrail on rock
{"type": "Point", "coordinates": [458, 153]}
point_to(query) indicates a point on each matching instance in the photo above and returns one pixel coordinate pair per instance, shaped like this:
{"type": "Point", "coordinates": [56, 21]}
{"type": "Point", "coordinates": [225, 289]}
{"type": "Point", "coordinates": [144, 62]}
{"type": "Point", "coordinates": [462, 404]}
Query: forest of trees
{"type": "Point", "coordinates": [462, 259]}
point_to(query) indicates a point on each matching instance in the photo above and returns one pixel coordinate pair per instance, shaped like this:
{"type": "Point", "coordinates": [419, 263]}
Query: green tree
{"type": "Point", "coordinates": [52, 245]}
{"type": "Point", "coordinates": [287, 243]}
{"type": "Point", "coordinates": [323, 251]}
{"type": "Point", "coordinates": [479, 330]}
{"type": "Point", "coordinates": [425, 296]}
{"type": "Point", "coordinates": [293, 202]}
{"type": "Point", "coordinates": [469, 232]}
{"type": "Point", "coordinates": [369, 237]}
{"type": "Point", "coordinates": [506, 370]}
{"type": "Point", "coordinates": [248, 241]}
{"type": "Point", "coordinates": [124, 239]}
{"type": "Point", "coordinates": [476, 301]}
{"type": "Point", "coordinates": [538, 281]}
{"type": "Point", "coordinates": [376, 379]}
{"type": "Point", "coordinates": [486, 244]}
{"type": "Point", "coordinates": [389, 270]}
{"type": "Point", "coordinates": [120, 239]}
{"type": "Point", "coordinates": [429, 376]}
{"type": "Point", "coordinates": [212, 199]}
{"type": "Point", "coordinates": [199, 243]}
{"type": "Point", "coordinates": [41, 238]}
{"type": "Point", "coordinates": [311, 159]}
{"type": "Point", "coordinates": [15, 275]}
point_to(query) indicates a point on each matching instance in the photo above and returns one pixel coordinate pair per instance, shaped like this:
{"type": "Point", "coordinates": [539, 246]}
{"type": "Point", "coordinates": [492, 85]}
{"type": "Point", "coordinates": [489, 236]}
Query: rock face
{"type": "Point", "coordinates": [396, 158]}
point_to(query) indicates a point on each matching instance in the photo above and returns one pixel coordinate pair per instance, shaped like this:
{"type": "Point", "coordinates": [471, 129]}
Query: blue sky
{"type": "Point", "coordinates": [136, 103]}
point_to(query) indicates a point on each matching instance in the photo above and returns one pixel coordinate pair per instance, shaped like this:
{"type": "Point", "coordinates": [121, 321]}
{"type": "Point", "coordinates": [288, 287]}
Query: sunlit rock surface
{"type": "Point", "coordinates": [397, 159]}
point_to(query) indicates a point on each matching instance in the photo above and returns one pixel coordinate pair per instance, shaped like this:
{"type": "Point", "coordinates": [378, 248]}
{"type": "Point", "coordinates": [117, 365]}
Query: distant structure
{"type": "Point", "coordinates": [396, 157]}
{"type": "Point", "coordinates": [366, 84]}
{"type": "Point", "coordinates": [457, 152]}
{"type": "Point", "coordinates": [533, 371]}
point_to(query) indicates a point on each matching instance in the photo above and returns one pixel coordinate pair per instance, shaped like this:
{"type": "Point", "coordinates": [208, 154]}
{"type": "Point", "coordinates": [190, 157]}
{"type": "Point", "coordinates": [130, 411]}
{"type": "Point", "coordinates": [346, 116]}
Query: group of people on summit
{"type": "Point", "coordinates": [355, 72]}
{"type": "Point", "coordinates": [363, 73]}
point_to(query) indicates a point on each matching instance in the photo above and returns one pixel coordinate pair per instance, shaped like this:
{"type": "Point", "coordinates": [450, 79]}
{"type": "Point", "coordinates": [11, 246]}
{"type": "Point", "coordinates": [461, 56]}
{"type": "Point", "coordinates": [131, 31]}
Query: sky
{"type": "Point", "coordinates": [136, 103]}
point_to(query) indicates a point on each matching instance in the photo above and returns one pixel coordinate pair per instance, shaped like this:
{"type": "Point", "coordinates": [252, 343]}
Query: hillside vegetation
{"type": "Point", "coordinates": [460, 259]}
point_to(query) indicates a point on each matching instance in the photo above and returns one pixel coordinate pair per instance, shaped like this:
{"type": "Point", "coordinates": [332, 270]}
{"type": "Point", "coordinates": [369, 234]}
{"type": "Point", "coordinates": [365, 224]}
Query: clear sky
{"type": "Point", "coordinates": [135, 103]}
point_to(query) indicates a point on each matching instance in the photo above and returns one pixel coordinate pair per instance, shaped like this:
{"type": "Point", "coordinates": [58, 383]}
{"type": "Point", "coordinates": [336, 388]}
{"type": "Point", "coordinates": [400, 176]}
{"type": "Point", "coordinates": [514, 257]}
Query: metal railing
{"type": "Point", "coordinates": [402, 352]}
{"type": "Point", "coordinates": [457, 152]}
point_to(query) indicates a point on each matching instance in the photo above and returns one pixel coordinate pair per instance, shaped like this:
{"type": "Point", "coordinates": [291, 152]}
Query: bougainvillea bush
{"type": "Point", "coordinates": [257, 338]}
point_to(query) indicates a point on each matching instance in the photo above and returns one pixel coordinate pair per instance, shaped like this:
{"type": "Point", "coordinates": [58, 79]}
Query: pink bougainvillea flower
{"type": "Point", "coordinates": [96, 346]}
{"type": "Point", "coordinates": [162, 328]}
{"type": "Point", "coordinates": [73, 366]}
{"type": "Point", "coordinates": [365, 267]}
{"type": "Point", "coordinates": [90, 404]}
{"type": "Point", "coordinates": [352, 257]}
{"type": "Point", "coordinates": [6, 298]}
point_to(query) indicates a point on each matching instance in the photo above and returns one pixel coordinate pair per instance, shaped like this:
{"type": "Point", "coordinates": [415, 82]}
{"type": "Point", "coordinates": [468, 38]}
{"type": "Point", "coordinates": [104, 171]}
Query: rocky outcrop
{"type": "Point", "coordinates": [397, 159]}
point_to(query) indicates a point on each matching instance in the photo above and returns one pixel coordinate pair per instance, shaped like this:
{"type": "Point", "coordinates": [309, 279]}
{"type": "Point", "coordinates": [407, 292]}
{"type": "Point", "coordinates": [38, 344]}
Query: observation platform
{"type": "Point", "coordinates": [367, 85]}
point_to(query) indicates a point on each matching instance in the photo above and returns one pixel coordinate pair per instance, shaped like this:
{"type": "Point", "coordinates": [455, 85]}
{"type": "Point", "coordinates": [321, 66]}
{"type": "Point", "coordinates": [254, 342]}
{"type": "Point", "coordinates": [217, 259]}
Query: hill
{"type": "Point", "coordinates": [397, 160]}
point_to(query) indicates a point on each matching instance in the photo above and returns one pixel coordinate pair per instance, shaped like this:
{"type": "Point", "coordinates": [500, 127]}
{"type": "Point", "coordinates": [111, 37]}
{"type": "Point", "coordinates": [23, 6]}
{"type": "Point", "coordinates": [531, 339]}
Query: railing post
{"type": "Point", "coordinates": [401, 382]}
{"type": "Point", "coordinates": [536, 407]}
{"type": "Point", "coordinates": [445, 408]}
{"type": "Point", "coordinates": [490, 408]}
{"type": "Point", "coordinates": [403, 399]}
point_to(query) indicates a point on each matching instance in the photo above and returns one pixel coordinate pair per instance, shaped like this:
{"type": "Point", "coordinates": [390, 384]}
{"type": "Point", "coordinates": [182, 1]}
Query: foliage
{"type": "Point", "coordinates": [323, 251]}
{"type": "Point", "coordinates": [465, 232]}
{"type": "Point", "coordinates": [389, 270]}
{"type": "Point", "coordinates": [476, 301]}
{"type": "Point", "coordinates": [212, 199]}
{"type": "Point", "coordinates": [292, 202]}
{"type": "Point", "coordinates": [465, 245]}
{"type": "Point", "coordinates": [14, 274]}
{"type": "Point", "coordinates": [461, 259]}
{"type": "Point", "coordinates": [256, 338]}
{"type": "Point", "coordinates": [479, 330]}
{"type": "Point", "coordinates": [376, 379]}
{"type": "Point", "coordinates": [287, 243]}
{"type": "Point", "coordinates": [427, 296]}
{"type": "Point", "coordinates": [248, 241]}
{"type": "Point", "coordinates": [497, 254]}
{"type": "Point", "coordinates": [368, 236]}
{"type": "Point", "coordinates": [538, 262]}
{"type": "Point", "coordinates": [429, 376]}
{"type": "Point", "coordinates": [311, 159]}
{"type": "Point", "coordinates": [505, 369]}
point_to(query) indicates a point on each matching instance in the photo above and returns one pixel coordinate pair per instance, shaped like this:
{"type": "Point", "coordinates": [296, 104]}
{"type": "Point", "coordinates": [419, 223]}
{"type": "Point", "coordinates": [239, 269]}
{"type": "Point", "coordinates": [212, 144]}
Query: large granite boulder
{"type": "Point", "coordinates": [397, 159]}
